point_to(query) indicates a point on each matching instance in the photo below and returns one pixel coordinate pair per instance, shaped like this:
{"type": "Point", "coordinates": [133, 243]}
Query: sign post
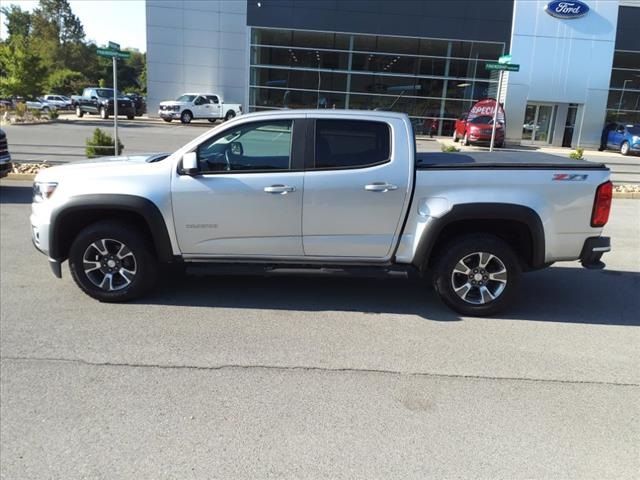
{"type": "Point", "coordinates": [501, 66]}
{"type": "Point", "coordinates": [115, 106]}
{"type": "Point", "coordinates": [114, 53]}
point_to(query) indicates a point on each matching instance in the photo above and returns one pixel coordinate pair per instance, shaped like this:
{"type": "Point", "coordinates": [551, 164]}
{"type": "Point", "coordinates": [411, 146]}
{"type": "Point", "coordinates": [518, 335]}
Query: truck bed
{"type": "Point", "coordinates": [501, 160]}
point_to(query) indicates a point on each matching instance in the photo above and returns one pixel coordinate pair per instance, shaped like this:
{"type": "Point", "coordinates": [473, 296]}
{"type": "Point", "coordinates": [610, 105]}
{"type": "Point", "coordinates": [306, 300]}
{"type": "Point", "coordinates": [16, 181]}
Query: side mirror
{"type": "Point", "coordinates": [94, 98]}
{"type": "Point", "coordinates": [190, 163]}
{"type": "Point", "coordinates": [236, 148]}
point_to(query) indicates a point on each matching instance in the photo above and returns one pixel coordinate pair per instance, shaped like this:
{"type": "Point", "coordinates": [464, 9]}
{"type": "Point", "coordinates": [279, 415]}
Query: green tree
{"type": "Point", "coordinates": [17, 21]}
{"type": "Point", "coordinates": [65, 82]}
{"type": "Point", "coordinates": [22, 71]}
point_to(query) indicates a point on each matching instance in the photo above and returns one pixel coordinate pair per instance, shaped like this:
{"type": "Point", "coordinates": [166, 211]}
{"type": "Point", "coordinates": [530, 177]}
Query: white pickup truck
{"type": "Point", "coordinates": [325, 191]}
{"type": "Point", "coordinates": [190, 106]}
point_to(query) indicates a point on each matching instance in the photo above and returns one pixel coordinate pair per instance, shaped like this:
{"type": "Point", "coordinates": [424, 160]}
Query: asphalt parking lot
{"type": "Point", "coordinates": [281, 377]}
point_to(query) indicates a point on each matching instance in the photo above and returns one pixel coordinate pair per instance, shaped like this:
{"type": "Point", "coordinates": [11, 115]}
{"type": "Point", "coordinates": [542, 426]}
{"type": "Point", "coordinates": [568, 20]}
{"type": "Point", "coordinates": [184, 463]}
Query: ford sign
{"type": "Point", "coordinates": [568, 10]}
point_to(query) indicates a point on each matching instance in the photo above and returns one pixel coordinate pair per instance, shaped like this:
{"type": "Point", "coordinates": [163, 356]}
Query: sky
{"type": "Point", "coordinates": [121, 21]}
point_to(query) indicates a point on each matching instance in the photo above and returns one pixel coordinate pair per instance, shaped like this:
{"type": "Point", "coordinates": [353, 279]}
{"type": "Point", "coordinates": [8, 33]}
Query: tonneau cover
{"type": "Point", "coordinates": [502, 160]}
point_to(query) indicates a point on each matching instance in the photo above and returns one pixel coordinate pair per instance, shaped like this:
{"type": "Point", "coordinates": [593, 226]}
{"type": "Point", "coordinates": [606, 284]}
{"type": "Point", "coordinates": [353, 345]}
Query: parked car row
{"type": "Point", "coordinates": [32, 103]}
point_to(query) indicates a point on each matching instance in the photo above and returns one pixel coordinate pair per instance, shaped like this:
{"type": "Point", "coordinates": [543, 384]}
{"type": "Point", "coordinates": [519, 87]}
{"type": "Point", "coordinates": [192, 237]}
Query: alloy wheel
{"type": "Point", "coordinates": [109, 264]}
{"type": "Point", "coordinates": [479, 278]}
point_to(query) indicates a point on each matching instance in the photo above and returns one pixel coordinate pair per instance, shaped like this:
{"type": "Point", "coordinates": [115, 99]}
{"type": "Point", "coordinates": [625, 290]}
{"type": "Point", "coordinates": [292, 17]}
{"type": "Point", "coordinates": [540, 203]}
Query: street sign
{"type": "Point", "coordinates": [502, 66]}
{"type": "Point", "coordinates": [114, 46]}
{"type": "Point", "coordinates": [105, 52]}
{"type": "Point", "coordinates": [505, 59]}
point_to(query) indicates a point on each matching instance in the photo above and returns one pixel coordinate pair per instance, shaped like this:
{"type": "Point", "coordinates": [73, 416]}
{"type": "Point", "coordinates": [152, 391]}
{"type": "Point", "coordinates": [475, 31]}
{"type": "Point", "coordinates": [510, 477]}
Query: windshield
{"type": "Point", "coordinates": [106, 93]}
{"type": "Point", "coordinates": [483, 119]}
{"type": "Point", "coordinates": [185, 98]}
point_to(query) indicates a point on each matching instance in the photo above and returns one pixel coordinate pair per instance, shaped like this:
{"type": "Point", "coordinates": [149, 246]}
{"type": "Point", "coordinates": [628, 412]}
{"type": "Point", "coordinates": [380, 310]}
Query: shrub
{"type": "Point", "coordinates": [37, 114]}
{"type": "Point", "coordinates": [449, 148]}
{"type": "Point", "coordinates": [577, 154]}
{"type": "Point", "coordinates": [101, 145]}
{"type": "Point", "coordinates": [53, 114]}
{"type": "Point", "coordinates": [21, 109]}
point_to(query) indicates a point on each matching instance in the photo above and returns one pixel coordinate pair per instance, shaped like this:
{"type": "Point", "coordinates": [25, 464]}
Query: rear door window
{"type": "Point", "coordinates": [341, 144]}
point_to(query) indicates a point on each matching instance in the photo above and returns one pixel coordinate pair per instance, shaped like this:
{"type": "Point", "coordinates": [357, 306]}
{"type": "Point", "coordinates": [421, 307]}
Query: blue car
{"type": "Point", "coordinates": [624, 137]}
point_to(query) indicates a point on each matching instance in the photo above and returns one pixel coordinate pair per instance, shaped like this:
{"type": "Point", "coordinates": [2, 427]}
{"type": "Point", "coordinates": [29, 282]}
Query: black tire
{"type": "Point", "coordinates": [137, 258]}
{"type": "Point", "coordinates": [104, 114]}
{"type": "Point", "coordinates": [624, 148]}
{"type": "Point", "coordinates": [469, 248]}
{"type": "Point", "coordinates": [130, 116]}
{"type": "Point", "coordinates": [186, 117]}
{"type": "Point", "coordinates": [168, 120]}
{"type": "Point", "coordinates": [465, 140]}
{"type": "Point", "coordinates": [212, 120]}
{"type": "Point", "coordinates": [230, 114]}
{"type": "Point", "coordinates": [455, 136]}
{"type": "Point", "coordinates": [79, 112]}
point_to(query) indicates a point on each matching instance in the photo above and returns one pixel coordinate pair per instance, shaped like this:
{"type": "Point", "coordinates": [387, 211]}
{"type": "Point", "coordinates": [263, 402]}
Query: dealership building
{"type": "Point", "coordinates": [579, 61]}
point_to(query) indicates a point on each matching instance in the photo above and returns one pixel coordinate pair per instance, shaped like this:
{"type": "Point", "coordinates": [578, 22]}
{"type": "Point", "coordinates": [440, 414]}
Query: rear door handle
{"type": "Point", "coordinates": [281, 189]}
{"type": "Point", "coordinates": [380, 187]}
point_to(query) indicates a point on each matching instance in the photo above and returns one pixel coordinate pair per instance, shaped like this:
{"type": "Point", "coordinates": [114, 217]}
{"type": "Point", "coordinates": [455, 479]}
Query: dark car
{"type": "Point", "coordinates": [100, 100]}
{"type": "Point", "coordinates": [139, 102]}
{"type": "Point", "coordinates": [622, 137]}
{"type": "Point", "coordinates": [5, 158]}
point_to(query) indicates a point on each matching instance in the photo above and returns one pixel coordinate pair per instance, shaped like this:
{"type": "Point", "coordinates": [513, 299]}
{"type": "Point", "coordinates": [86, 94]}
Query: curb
{"type": "Point", "coordinates": [21, 176]}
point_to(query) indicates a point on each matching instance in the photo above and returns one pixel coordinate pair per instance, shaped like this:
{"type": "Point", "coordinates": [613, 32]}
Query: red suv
{"type": "Point", "coordinates": [477, 130]}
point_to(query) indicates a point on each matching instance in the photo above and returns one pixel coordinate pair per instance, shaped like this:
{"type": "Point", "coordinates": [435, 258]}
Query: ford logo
{"type": "Point", "coordinates": [565, 9]}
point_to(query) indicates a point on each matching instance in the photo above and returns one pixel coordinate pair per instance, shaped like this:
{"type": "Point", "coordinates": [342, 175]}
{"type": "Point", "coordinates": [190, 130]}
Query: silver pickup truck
{"type": "Point", "coordinates": [330, 190]}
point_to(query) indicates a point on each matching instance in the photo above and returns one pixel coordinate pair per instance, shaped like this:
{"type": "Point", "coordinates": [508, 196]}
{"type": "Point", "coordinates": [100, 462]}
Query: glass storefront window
{"type": "Point", "coordinates": [623, 104]}
{"type": "Point", "coordinates": [432, 80]}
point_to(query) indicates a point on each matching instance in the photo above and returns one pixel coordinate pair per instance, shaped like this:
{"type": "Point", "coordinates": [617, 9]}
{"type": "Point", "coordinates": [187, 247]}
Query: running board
{"type": "Point", "coordinates": [401, 271]}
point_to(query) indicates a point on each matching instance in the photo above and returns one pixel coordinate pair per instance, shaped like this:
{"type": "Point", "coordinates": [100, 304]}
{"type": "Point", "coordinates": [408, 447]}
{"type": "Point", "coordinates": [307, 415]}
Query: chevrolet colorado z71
{"type": "Point", "coordinates": [324, 190]}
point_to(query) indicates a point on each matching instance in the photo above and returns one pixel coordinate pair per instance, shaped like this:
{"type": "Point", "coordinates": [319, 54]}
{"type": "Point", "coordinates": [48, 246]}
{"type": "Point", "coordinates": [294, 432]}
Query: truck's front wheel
{"type": "Point", "coordinates": [79, 112]}
{"type": "Point", "coordinates": [112, 262]}
{"type": "Point", "coordinates": [477, 275]}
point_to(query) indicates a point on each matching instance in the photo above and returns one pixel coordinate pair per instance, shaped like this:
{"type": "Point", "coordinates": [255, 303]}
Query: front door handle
{"type": "Point", "coordinates": [281, 189]}
{"type": "Point", "coordinates": [380, 187]}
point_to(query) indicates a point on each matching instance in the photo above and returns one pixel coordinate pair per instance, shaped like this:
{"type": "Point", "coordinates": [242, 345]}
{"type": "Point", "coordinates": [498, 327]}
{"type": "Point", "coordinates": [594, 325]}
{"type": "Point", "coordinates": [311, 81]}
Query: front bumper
{"type": "Point", "coordinates": [173, 114]}
{"type": "Point", "coordinates": [592, 251]}
{"type": "Point", "coordinates": [40, 238]}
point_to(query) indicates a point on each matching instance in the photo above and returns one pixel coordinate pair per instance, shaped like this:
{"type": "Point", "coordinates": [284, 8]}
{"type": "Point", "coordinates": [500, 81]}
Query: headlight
{"type": "Point", "coordinates": [43, 190]}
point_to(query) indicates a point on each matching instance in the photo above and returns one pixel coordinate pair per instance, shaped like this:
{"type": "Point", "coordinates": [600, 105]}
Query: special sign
{"type": "Point", "coordinates": [485, 107]}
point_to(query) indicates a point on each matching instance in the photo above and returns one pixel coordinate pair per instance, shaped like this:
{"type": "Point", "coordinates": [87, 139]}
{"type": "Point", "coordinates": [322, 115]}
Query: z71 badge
{"type": "Point", "coordinates": [570, 177]}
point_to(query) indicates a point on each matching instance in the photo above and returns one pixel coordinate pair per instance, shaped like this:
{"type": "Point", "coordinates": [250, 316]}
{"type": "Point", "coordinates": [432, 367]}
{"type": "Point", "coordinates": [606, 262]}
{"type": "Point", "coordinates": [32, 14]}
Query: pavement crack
{"type": "Point", "coordinates": [293, 368]}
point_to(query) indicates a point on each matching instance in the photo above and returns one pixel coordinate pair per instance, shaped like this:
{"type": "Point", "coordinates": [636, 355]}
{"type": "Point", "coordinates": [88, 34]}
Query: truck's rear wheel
{"type": "Point", "coordinates": [167, 119]}
{"type": "Point", "coordinates": [79, 112]}
{"type": "Point", "coordinates": [112, 262]}
{"type": "Point", "coordinates": [230, 114]}
{"type": "Point", "coordinates": [477, 275]}
{"type": "Point", "coordinates": [212, 120]}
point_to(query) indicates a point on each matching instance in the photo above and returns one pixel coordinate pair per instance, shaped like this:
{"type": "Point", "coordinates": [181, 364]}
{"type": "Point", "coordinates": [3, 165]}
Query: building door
{"type": "Point", "coordinates": [569, 125]}
{"type": "Point", "coordinates": [538, 124]}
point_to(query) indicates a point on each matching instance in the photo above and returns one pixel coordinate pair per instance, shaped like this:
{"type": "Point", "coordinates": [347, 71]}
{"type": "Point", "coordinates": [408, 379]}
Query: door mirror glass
{"type": "Point", "coordinates": [236, 148]}
{"type": "Point", "coordinates": [190, 163]}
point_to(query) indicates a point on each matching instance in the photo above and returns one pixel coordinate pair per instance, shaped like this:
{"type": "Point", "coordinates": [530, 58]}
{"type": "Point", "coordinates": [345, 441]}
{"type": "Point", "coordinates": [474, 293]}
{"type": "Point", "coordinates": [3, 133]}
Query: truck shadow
{"type": "Point", "coordinates": [558, 294]}
{"type": "Point", "coordinates": [15, 194]}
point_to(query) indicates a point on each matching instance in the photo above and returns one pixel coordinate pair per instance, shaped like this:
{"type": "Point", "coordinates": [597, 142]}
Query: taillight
{"type": "Point", "coordinates": [602, 205]}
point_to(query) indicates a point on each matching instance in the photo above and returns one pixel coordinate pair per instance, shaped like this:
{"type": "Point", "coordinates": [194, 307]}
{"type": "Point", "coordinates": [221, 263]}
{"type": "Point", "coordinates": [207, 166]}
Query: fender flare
{"type": "Point", "coordinates": [485, 211]}
{"type": "Point", "coordinates": [110, 202]}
